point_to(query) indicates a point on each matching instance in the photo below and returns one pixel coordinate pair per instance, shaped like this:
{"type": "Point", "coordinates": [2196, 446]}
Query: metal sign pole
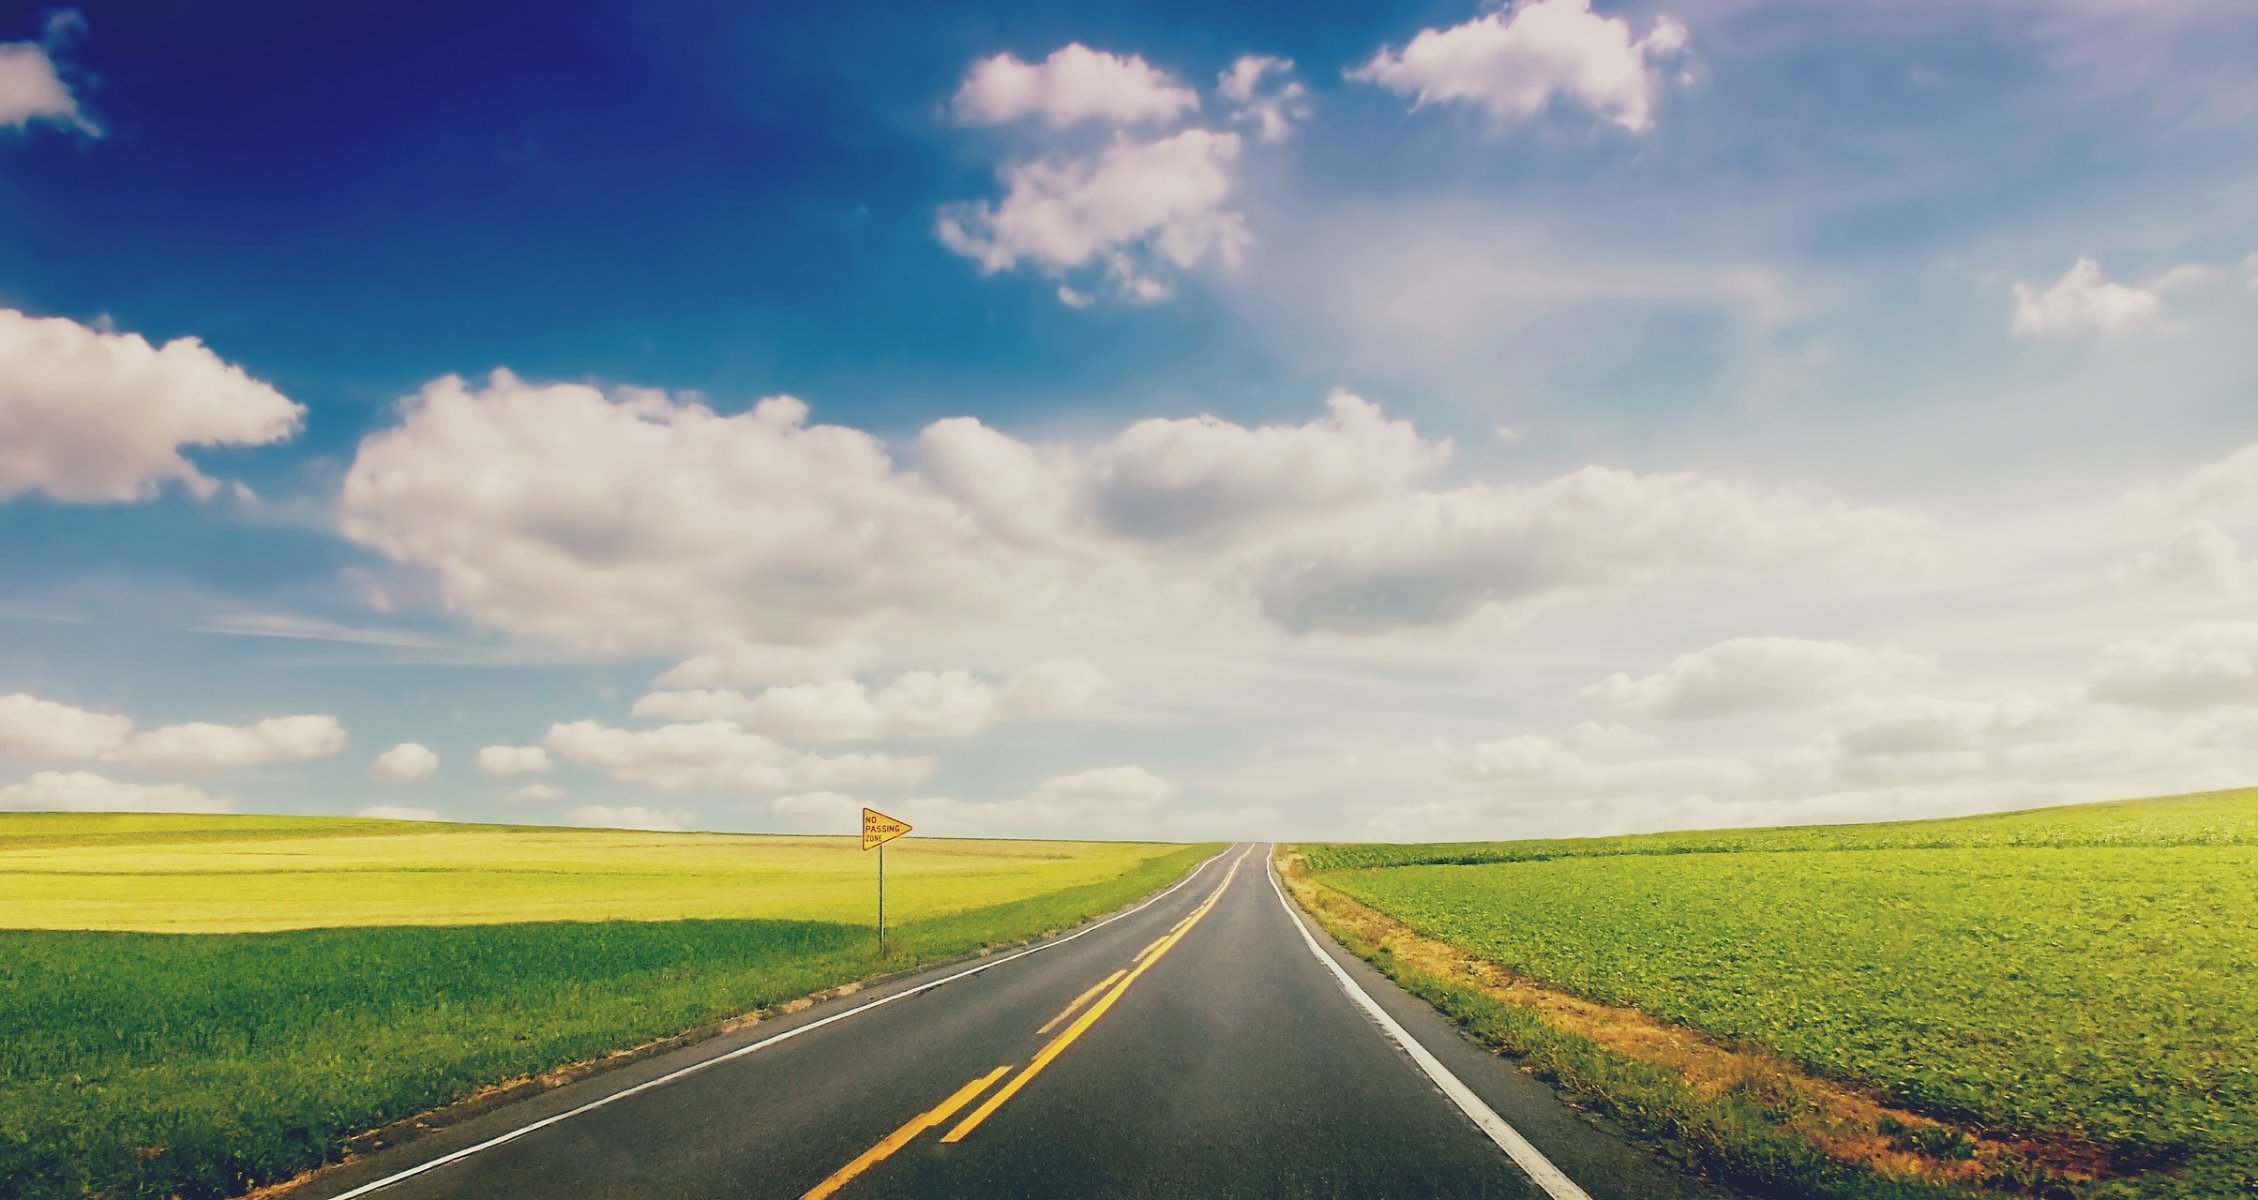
{"type": "Point", "coordinates": [877, 830]}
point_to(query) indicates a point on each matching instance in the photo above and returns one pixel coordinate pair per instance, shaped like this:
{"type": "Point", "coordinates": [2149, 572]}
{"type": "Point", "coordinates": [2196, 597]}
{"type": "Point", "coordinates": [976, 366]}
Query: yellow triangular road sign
{"type": "Point", "coordinates": [879, 829]}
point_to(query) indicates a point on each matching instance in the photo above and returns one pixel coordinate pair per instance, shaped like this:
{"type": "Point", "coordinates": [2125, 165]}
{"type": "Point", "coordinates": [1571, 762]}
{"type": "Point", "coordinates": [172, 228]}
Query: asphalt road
{"type": "Point", "coordinates": [1195, 1047]}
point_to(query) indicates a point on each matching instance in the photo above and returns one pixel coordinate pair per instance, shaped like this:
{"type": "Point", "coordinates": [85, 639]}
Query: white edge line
{"type": "Point", "coordinates": [742, 1051]}
{"type": "Point", "coordinates": [1552, 1179]}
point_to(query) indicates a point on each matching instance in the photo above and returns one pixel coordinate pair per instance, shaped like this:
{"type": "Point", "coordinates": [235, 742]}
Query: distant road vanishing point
{"type": "Point", "coordinates": [1206, 1043]}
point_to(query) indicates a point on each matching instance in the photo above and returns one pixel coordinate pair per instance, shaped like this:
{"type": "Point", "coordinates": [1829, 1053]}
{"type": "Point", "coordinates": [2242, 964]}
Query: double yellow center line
{"type": "Point", "coordinates": [1119, 982]}
{"type": "Point", "coordinates": [1082, 1023]}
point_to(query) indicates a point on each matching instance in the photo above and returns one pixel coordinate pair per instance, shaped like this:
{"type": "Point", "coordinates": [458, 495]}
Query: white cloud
{"type": "Point", "coordinates": [633, 522]}
{"type": "Point", "coordinates": [408, 760]}
{"type": "Point", "coordinates": [534, 793]}
{"type": "Point", "coordinates": [1595, 738]}
{"type": "Point", "coordinates": [604, 816]}
{"type": "Point", "coordinates": [2225, 489]}
{"type": "Point", "coordinates": [743, 663]}
{"type": "Point", "coordinates": [720, 755]}
{"type": "Point", "coordinates": [90, 416]}
{"type": "Point", "coordinates": [397, 812]}
{"type": "Point", "coordinates": [1074, 84]}
{"type": "Point", "coordinates": [1514, 64]}
{"type": "Point", "coordinates": [2195, 666]}
{"type": "Point", "coordinates": [512, 760]}
{"type": "Point", "coordinates": [2083, 302]}
{"type": "Point", "coordinates": [79, 791]}
{"type": "Point", "coordinates": [1918, 725]}
{"type": "Point", "coordinates": [1543, 767]}
{"type": "Point", "coordinates": [2200, 558]}
{"type": "Point", "coordinates": [1262, 95]}
{"type": "Point", "coordinates": [1107, 801]}
{"type": "Point", "coordinates": [817, 805]}
{"type": "Point", "coordinates": [1423, 559]}
{"type": "Point", "coordinates": [1751, 674]}
{"type": "Point", "coordinates": [914, 704]}
{"type": "Point", "coordinates": [1105, 789]}
{"type": "Point", "coordinates": [33, 89]}
{"type": "Point", "coordinates": [2014, 736]}
{"type": "Point", "coordinates": [1053, 688]}
{"type": "Point", "coordinates": [1126, 210]}
{"type": "Point", "coordinates": [1205, 476]}
{"type": "Point", "coordinates": [202, 744]}
{"type": "Point", "coordinates": [36, 728]}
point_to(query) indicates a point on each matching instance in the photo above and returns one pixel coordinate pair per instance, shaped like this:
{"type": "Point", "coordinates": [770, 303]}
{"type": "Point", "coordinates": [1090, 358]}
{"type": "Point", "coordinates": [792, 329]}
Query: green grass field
{"type": "Point", "coordinates": [396, 967]}
{"type": "Point", "coordinates": [2081, 971]}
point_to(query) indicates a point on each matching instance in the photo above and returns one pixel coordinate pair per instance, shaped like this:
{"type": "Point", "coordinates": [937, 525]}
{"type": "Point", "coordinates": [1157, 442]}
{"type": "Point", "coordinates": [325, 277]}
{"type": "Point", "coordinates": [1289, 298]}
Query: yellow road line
{"type": "Point", "coordinates": [903, 1136]}
{"type": "Point", "coordinates": [1079, 1001]}
{"type": "Point", "coordinates": [1154, 945]}
{"type": "Point", "coordinates": [1059, 1044]}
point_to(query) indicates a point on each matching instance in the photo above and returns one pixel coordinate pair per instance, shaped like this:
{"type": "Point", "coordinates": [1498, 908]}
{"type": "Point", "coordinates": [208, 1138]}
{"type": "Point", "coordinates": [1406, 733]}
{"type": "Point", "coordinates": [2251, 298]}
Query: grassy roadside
{"type": "Point", "coordinates": [1735, 1134]}
{"type": "Point", "coordinates": [154, 1065]}
{"type": "Point", "coordinates": [2037, 1004]}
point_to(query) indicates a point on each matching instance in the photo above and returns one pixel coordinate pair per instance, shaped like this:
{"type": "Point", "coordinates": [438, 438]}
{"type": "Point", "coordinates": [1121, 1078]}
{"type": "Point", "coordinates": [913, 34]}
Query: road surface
{"type": "Point", "coordinates": [1197, 1046]}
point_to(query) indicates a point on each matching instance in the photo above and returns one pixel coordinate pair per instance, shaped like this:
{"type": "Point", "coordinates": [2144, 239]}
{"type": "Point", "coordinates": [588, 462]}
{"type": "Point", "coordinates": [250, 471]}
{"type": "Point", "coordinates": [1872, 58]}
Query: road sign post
{"type": "Point", "coordinates": [877, 830]}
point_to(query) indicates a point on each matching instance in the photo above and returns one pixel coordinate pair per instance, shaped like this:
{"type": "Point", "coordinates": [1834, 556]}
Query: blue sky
{"type": "Point", "coordinates": [1165, 468]}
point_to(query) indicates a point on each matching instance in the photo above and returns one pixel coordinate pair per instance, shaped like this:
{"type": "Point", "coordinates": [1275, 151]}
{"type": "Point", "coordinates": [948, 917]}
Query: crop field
{"type": "Point", "coordinates": [428, 961]}
{"type": "Point", "coordinates": [200, 874]}
{"type": "Point", "coordinates": [2074, 973]}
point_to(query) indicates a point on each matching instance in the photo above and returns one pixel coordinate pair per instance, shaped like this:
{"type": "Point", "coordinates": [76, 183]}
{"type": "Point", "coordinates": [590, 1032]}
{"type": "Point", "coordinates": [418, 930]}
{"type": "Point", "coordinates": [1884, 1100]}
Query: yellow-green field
{"type": "Point", "coordinates": [193, 1006]}
{"type": "Point", "coordinates": [203, 874]}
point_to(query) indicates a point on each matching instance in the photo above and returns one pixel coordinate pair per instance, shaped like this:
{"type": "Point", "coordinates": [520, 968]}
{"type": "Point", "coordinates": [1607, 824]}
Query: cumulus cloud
{"type": "Point", "coordinates": [1262, 94]}
{"type": "Point", "coordinates": [35, 728]}
{"type": "Point", "coordinates": [2224, 489]}
{"type": "Point", "coordinates": [1905, 740]}
{"type": "Point", "coordinates": [534, 793]}
{"type": "Point", "coordinates": [739, 664]}
{"type": "Point", "coordinates": [1074, 84]}
{"type": "Point", "coordinates": [1206, 476]}
{"type": "Point", "coordinates": [397, 812]}
{"type": "Point", "coordinates": [202, 744]}
{"type": "Point", "coordinates": [1515, 63]}
{"type": "Point", "coordinates": [1751, 674]}
{"type": "Point", "coordinates": [2201, 558]}
{"type": "Point", "coordinates": [632, 522]}
{"type": "Point", "coordinates": [2083, 302]}
{"type": "Point", "coordinates": [1125, 210]}
{"type": "Point", "coordinates": [816, 805]}
{"type": "Point", "coordinates": [1105, 788]}
{"type": "Point", "coordinates": [80, 791]}
{"type": "Point", "coordinates": [1434, 558]}
{"type": "Point", "coordinates": [1053, 688]}
{"type": "Point", "coordinates": [1915, 725]}
{"type": "Point", "coordinates": [2195, 666]}
{"type": "Point", "coordinates": [32, 88]}
{"type": "Point", "coordinates": [720, 755]}
{"type": "Point", "coordinates": [1544, 766]}
{"type": "Point", "coordinates": [90, 416]}
{"type": "Point", "coordinates": [605, 816]}
{"type": "Point", "coordinates": [408, 760]}
{"type": "Point", "coordinates": [1110, 800]}
{"type": "Point", "coordinates": [914, 704]}
{"type": "Point", "coordinates": [512, 760]}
